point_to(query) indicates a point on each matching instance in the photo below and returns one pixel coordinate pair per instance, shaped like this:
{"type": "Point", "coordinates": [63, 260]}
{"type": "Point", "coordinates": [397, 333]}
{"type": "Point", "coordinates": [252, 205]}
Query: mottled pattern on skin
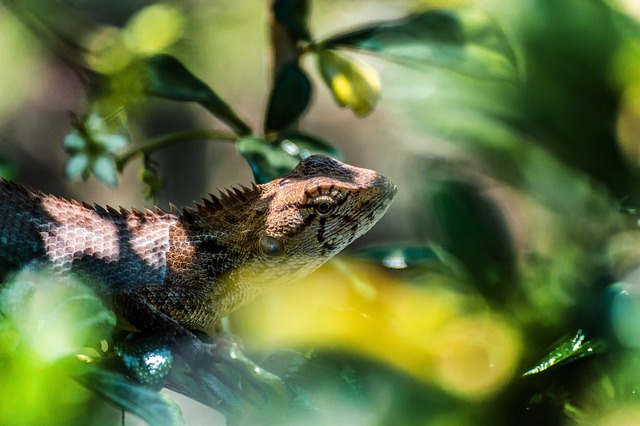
{"type": "Point", "coordinates": [164, 270]}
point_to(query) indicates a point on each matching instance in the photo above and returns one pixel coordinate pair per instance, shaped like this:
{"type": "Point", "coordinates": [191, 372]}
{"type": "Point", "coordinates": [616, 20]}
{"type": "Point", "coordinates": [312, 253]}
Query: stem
{"type": "Point", "coordinates": [166, 140]}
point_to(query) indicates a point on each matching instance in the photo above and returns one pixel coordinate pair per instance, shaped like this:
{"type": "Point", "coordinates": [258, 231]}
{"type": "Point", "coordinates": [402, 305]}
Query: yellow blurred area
{"type": "Point", "coordinates": [431, 332]}
{"type": "Point", "coordinates": [150, 31]}
{"type": "Point", "coordinates": [46, 321]}
{"type": "Point", "coordinates": [625, 73]}
{"type": "Point", "coordinates": [154, 28]}
{"type": "Point", "coordinates": [106, 51]}
{"type": "Point", "coordinates": [28, 388]}
{"type": "Point", "coordinates": [625, 414]}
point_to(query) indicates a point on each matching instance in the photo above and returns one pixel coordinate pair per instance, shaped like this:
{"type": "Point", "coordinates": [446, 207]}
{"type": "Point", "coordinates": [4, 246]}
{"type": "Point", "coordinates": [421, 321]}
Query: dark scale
{"type": "Point", "coordinates": [67, 236]}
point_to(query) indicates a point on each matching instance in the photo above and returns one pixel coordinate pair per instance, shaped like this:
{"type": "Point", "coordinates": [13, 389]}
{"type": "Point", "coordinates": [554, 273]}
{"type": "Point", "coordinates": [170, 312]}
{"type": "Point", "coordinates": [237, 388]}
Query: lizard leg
{"type": "Point", "coordinates": [217, 374]}
{"type": "Point", "coordinates": [141, 307]}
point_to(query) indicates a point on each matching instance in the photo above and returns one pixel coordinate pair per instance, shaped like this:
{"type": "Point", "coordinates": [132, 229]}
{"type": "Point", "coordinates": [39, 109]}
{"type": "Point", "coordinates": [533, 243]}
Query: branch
{"type": "Point", "coordinates": [165, 140]}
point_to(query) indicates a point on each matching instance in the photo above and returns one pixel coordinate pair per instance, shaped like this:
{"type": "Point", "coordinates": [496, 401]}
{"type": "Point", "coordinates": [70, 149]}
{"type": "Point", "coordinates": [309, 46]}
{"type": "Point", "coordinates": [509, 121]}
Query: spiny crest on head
{"type": "Point", "coordinates": [227, 199]}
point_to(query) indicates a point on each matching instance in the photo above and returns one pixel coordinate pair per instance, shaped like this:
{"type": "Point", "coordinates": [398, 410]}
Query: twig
{"type": "Point", "coordinates": [165, 140]}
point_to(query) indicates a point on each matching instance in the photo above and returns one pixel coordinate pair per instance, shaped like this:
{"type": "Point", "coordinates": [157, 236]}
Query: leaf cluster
{"type": "Point", "coordinates": [130, 64]}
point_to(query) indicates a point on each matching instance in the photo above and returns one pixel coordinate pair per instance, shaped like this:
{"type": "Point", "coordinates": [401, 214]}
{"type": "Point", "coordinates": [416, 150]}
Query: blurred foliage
{"type": "Point", "coordinates": [125, 65]}
{"type": "Point", "coordinates": [46, 320]}
{"type": "Point", "coordinates": [450, 346]}
{"type": "Point", "coordinates": [518, 297]}
{"type": "Point", "coordinates": [464, 41]}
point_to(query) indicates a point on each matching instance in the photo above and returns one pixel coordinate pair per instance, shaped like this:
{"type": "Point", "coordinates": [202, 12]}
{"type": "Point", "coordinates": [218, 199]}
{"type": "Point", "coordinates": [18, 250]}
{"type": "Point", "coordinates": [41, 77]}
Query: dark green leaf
{"type": "Point", "coordinates": [462, 41]}
{"type": "Point", "coordinates": [473, 229]}
{"type": "Point", "coordinates": [148, 404]}
{"type": "Point", "coordinates": [272, 160]}
{"type": "Point", "coordinates": [293, 15]}
{"type": "Point", "coordinates": [568, 350]}
{"type": "Point", "coordinates": [166, 77]}
{"type": "Point", "coordinates": [289, 98]}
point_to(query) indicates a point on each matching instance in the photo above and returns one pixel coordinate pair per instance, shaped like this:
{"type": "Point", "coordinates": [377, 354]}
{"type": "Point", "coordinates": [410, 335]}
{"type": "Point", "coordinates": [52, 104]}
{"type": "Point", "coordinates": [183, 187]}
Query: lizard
{"type": "Point", "coordinates": [169, 272]}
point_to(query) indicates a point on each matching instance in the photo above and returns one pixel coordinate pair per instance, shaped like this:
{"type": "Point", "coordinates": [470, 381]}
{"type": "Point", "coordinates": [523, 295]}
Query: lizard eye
{"type": "Point", "coordinates": [271, 246]}
{"type": "Point", "coordinates": [323, 205]}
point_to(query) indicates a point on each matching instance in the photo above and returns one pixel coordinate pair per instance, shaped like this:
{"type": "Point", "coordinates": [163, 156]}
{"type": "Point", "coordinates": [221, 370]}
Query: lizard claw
{"type": "Point", "coordinates": [225, 379]}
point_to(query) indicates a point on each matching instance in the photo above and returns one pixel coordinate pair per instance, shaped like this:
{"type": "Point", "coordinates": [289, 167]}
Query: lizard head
{"type": "Point", "coordinates": [271, 234]}
{"type": "Point", "coordinates": [313, 213]}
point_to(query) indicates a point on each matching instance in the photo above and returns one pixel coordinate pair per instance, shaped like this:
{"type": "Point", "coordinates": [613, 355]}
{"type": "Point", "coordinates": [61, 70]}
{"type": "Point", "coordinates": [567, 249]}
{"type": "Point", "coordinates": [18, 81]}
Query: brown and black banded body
{"type": "Point", "coordinates": [163, 271]}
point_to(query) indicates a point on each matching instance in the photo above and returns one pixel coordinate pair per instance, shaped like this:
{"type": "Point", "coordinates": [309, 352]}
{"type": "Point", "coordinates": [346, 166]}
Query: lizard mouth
{"type": "Point", "coordinates": [394, 191]}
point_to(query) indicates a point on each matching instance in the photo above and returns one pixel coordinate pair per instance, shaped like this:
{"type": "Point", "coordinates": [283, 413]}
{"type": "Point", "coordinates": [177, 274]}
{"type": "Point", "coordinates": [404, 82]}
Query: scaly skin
{"type": "Point", "coordinates": [163, 271]}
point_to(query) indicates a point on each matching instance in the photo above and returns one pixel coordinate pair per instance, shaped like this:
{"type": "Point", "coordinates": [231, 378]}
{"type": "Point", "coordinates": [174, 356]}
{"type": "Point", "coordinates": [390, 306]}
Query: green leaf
{"type": "Point", "coordinates": [472, 228]}
{"type": "Point", "coordinates": [467, 42]}
{"type": "Point", "coordinates": [7, 168]}
{"type": "Point", "coordinates": [293, 15]}
{"type": "Point", "coordinates": [74, 143]}
{"type": "Point", "coordinates": [399, 257]}
{"type": "Point", "coordinates": [113, 143]}
{"type": "Point", "coordinates": [567, 350]}
{"type": "Point", "coordinates": [104, 169]}
{"type": "Point", "coordinates": [269, 161]}
{"type": "Point", "coordinates": [166, 77]}
{"type": "Point", "coordinates": [77, 165]}
{"type": "Point", "coordinates": [301, 145]}
{"type": "Point", "coordinates": [289, 98]}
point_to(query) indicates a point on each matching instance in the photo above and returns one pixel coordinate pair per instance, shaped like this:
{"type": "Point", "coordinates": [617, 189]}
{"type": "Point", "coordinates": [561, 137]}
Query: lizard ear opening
{"type": "Point", "coordinates": [271, 246]}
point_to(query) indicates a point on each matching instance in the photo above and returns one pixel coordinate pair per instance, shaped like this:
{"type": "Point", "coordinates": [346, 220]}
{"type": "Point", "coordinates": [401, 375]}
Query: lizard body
{"type": "Point", "coordinates": [167, 271]}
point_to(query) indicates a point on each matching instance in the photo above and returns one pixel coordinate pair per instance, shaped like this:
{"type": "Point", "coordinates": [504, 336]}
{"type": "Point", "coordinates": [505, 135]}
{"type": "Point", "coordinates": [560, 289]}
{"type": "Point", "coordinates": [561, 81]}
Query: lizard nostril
{"type": "Point", "coordinates": [382, 183]}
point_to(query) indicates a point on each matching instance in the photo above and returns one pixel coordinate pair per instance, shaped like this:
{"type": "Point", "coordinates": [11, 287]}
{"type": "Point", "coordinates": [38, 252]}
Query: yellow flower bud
{"type": "Point", "coordinates": [153, 29]}
{"type": "Point", "coordinates": [353, 83]}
